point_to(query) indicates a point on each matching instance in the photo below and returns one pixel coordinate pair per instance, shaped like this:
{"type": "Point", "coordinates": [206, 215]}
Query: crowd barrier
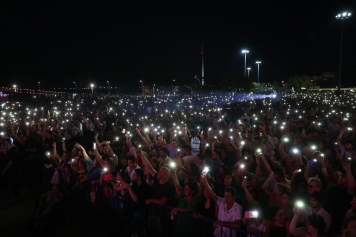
{"type": "Point", "coordinates": [154, 220]}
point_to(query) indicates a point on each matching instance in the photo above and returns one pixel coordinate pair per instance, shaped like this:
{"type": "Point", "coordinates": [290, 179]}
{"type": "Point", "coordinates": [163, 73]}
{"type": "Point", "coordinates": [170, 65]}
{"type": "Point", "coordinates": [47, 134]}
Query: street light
{"type": "Point", "coordinates": [109, 86]}
{"type": "Point", "coordinates": [14, 87]}
{"type": "Point", "coordinates": [341, 17]}
{"type": "Point", "coordinates": [245, 52]}
{"type": "Point", "coordinates": [39, 86]}
{"type": "Point", "coordinates": [76, 89]}
{"type": "Point", "coordinates": [92, 88]}
{"type": "Point", "coordinates": [258, 71]}
{"type": "Point", "coordinates": [248, 71]}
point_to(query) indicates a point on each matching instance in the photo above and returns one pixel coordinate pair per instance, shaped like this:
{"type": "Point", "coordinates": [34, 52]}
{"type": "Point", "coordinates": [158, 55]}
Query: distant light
{"type": "Point", "coordinates": [343, 15]}
{"type": "Point", "coordinates": [258, 62]}
{"type": "Point", "coordinates": [245, 51]}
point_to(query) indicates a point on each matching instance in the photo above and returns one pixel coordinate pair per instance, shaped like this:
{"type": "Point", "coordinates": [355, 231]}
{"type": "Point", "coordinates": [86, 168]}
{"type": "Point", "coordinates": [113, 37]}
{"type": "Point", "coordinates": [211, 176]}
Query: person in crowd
{"type": "Point", "coordinates": [315, 226]}
{"type": "Point", "coordinates": [278, 225]}
{"type": "Point", "coordinates": [188, 202]}
{"type": "Point", "coordinates": [229, 212]}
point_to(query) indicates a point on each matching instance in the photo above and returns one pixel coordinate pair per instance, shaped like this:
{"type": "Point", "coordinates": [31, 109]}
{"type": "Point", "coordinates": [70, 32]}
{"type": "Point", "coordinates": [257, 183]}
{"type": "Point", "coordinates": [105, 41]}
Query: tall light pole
{"type": "Point", "coordinates": [39, 85]}
{"type": "Point", "coordinates": [248, 71]}
{"type": "Point", "coordinates": [14, 88]}
{"type": "Point", "coordinates": [258, 71]}
{"type": "Point", "coordinates": [143, 89]}
{"type": "Point", "coordinates": [109, 86]}
{"type": "Point", "coordinates": [92, 88]}
{"type": "Point", "coordinates": [341, 17]}
{"type": "Point", "coordinates": [245, 52]}
{"type": "Point", "coordinates": [76, 89]}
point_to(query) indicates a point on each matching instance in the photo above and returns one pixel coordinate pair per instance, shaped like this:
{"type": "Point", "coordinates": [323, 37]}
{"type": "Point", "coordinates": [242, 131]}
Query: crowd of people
{"type": "Point", "coordinates": [274, 165]}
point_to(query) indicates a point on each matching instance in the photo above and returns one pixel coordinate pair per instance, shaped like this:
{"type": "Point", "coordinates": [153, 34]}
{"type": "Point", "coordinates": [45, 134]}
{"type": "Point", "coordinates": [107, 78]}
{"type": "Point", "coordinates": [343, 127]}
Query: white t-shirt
{"type": "Point", "coordinates": [324, 214]}
{"type": "Point", "coordinates": [224, 215]}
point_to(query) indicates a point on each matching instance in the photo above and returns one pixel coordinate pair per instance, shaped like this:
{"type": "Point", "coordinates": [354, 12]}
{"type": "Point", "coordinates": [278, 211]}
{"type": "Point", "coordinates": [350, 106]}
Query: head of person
{"type": "Point", "coordinates": [349, 146]}
{"type": "Point", "coordinates": [260, 170]}
{"type": "Point", "coordinates": [335, 175]}
{"type": "Point", "coordinates": [163, 174]}
{"type": "Point", "coordinates": [163, 152]}
{"type": "Point", "coordinates": [192, 188]}
{"type": "Point", "coordinates": [316, 200]}
{"type": "Point", "coordinates": [193, 172]}
{"type": "Point", "coordinates": [271, 133]}
{"type": "Point", "coordinates": [279, 174]}
{"type": "Point", "coordinates": [216, 155]}
{"type": "Point", "coordinates": [343, 184]}
{"type": "Point", "coordinates": [187, 150]}
{"type": "Point", "coordinates": [315, 224]}
{"type": "Point", "coordinates": [198, 159]}
{"type": "Point", "coordinates": [223, 170]}
{"type": "Point", "coordinates": [269, 145]}
{"type": "Point", "coordinates": [9, 142]}
{"type": "Point", "coordinates": [154, 162]}
{"type": "Point", "coordinates": [139, 175]}
{"type": "Point", "coordinates": [123, 175]}
{"type": "Point", "coordinates": [314, 184]}
{"type": "Point", "coordinates": [174, 142]}
{"type": "Point", "coordinates": [229, 180]}
{"type": "Point", "coordinates": [277, 215]}
{"type": "Point", "coordinates": [285, 197]}
{"type": "Point", "coordinates": [131, 162]}
{"type": "Point", "coordinates": [230, 195]}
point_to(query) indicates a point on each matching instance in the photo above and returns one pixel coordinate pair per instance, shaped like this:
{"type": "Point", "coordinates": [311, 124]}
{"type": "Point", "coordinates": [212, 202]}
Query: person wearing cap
{"type": "Point", "coordinates": [315, 207]}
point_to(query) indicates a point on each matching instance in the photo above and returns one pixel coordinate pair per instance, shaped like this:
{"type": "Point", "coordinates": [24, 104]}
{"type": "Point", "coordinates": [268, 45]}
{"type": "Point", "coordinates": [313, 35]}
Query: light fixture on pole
{"type": "Point", "coordinates": [92, 88]}
{"type": "Point", "coordinates": [14, 87]}
{"type": "Point", "coordinates": [109, 86]}
{"type": "Point", "coordinates": [245, 52]}
{"type": "Point", "coordinates": [258, 71]}
{"type": "Point", "coordinates": [76, 89]}
{"type": "Point", "coordinates": [248, 71]}
{"type": "Point", "coordinates": [341, 17]}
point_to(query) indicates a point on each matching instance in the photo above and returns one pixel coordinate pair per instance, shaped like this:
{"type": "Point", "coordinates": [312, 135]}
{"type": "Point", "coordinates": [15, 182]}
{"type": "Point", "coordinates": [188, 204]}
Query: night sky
{"type": "Point", "coordinates": [58, 42]}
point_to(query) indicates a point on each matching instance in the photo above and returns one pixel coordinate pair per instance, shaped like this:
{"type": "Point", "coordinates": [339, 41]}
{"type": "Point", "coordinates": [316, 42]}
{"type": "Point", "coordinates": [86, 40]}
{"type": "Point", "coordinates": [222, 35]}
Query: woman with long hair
{"type": "Point", "coordinates": [188, 202]}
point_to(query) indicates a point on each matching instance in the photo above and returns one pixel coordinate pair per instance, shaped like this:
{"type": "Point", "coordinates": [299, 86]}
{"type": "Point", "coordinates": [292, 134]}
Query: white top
{"type": "Point", "coordinates": [324, 214]}
{"type": "Point", "coordinates": [224, 215]}
{"type": "Point", "coordinates": [132, 172]}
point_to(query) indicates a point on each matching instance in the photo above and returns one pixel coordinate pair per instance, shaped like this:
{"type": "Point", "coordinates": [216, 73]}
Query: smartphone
{"type": "Point", "coordinates": [123, 130]}
{"type": "Point", "coordinates": [94, 146]}
{"type": "Point", "coordinates": [312, 162]}
{"type": "Point", "coordinates": [251, 214]}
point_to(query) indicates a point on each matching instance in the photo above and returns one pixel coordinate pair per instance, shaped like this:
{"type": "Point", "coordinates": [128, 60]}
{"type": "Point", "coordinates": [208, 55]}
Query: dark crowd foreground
{"type": "Point", "coordinates": [199, 165]}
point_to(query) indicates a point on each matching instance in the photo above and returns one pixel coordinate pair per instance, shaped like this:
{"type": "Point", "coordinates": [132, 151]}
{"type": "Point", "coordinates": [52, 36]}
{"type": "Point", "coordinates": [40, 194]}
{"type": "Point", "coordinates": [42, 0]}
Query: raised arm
{"type": "Point", "coordinates": [268, 168]}
{"type": "Point", "coordinates": [55, 155]}
{"type": "Point", "coordinates": [177, 187]}
{"type": "Point", "coordinates": [249, 198]}
{"type": "Point", "coordinates": [293, 225]}
{"type": "Point", "coordinates": [209, 189]}
{"type": "Point", "coordinates": [350, 180]}
{"type": "Point", "coordinates": [147, 164]}
{"type": "Point", "coordinates": [281, 150]}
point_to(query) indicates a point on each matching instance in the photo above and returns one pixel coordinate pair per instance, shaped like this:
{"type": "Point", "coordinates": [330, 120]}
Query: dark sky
{"type": "Point", "coordinates": [57, 41]}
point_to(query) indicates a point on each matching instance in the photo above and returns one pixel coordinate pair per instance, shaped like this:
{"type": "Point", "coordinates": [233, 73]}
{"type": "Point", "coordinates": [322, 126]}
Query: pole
{"type": "Point", "coordinates": [202, 65]}
{"type": "Point", "coordinates": [248, 73]}
{"type": "Point", "coordinates": [245, 67]}
{"type": "Point", "coordinates": [340, 59]}
{"type": "Point", "coordinates": [258, 73]}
